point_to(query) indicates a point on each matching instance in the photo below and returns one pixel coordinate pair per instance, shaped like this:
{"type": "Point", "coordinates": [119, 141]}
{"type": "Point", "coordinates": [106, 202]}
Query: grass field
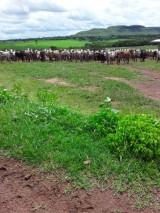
{"type": "Point", "coordinates": [80, 75]}
{"type": "Point", "coordinates": [60, 44]}
{"type": "Point", "coordinates": [51, 125]}
{"type": "Point", "coordinates": [41, 44]}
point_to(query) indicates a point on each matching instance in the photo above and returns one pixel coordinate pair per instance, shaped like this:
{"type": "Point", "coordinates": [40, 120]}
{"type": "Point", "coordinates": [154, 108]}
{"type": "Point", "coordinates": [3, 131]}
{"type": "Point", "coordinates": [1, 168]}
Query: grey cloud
{"type": "Point", "coordinates": [81, 15]}
{"type": "Point", "coordinates": [24, 9]}
{"type": "Point", "coordinates": [16, 10]}
{"type": "Point", "coordinates": [12, 32]}
{"type": "Point", "coordinates": [44, 5]}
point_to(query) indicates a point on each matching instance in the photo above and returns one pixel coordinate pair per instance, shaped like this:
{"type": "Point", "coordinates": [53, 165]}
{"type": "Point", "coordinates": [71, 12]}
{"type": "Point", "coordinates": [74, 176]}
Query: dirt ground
{"type": "Point", "coordinates": [148, 83]}
{"type": "Point", "coordinates": [150, 86]}
{"type": "Point", "coordinates": [25, 190]}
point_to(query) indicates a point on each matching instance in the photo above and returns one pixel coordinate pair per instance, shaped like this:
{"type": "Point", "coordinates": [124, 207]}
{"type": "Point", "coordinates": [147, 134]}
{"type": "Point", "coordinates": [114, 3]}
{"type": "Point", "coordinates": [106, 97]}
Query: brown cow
{"type": "Point", "coordinates": [123, 55]}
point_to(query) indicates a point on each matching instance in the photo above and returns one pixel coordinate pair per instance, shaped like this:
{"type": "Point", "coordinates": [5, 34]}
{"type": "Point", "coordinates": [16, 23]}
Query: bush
{"type": "Point", "coordinates": [138, 136]}
{"type": "Point", "coordinates": [105, 121]}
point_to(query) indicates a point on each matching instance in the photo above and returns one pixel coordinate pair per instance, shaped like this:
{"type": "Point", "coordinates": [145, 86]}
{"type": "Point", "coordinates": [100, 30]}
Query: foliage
{"type": "Point", "coordinates": [137, 135]}
{"type": "Point", "coordinates": [105, 121]}
{"type": "Point", "coordinates": [96, 45]}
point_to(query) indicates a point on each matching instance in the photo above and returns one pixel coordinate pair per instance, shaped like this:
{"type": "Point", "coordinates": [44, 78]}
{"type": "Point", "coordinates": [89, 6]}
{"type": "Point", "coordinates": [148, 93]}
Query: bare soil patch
{"type": "Point", "coordinates": [149, 86]}
{"type": "Point", "coordinates": [61, 82]}
{"type": "Point", "coordinates": [117, 79]}
{"type": "Point", "coordinates": [58, 82]}
{"type": "Point", "coordinates": [25, 190]}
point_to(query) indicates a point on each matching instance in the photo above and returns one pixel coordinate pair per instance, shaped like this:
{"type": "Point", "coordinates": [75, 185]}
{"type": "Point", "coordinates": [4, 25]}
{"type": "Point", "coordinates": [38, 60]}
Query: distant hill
{"type": "Point", "coordinates": [116, 31]}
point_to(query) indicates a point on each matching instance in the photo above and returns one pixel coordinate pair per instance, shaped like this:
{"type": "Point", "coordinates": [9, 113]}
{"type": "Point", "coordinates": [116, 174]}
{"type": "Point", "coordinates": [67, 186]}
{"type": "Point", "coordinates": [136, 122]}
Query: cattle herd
{"type": "Point", "coordinates": [114, 56]}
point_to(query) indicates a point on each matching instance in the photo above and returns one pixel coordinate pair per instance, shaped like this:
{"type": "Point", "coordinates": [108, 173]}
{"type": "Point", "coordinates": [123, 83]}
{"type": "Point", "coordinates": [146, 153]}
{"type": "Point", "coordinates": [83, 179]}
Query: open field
{"type": "Point", "coordinates": [60, 44]}
{"type": "Point", "coordinates": [41, 44]}
{"type": "Point", "coordinates": [50, 117]}
{"type": "Point", "coordinates": [31, 78]}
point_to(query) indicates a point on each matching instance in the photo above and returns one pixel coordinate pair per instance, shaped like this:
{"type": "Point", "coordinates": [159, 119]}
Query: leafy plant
{"type": "Point", "coordinates": [136, 135]}
{"type": "Point", "coordinates": [105, 121]}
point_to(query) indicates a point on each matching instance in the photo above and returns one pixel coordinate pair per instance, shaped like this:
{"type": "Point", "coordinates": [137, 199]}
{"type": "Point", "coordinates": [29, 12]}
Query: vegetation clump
{"type": "Point", "coordinates": [137, 135]}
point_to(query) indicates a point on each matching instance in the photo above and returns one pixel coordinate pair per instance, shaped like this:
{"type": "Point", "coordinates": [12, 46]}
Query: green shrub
{"type": "Point", "coordinates": [105, 121]}
{"type": "Point", "coordinates": [138, 136]}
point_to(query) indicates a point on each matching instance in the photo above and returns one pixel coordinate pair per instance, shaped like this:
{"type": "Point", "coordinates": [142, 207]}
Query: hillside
{"type": "Point", "coordinates": [121, 30]}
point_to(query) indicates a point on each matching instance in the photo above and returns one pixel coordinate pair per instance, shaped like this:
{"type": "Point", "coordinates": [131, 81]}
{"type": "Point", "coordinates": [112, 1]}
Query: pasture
{"type": "Point", "coordinates": [59, 44]}
{"type": "Point", "coordinates": [30, 77]}
{"type": "Point", "coordinates": [41, 44]}
{"type": "Point", "coordinates": [50, 118]}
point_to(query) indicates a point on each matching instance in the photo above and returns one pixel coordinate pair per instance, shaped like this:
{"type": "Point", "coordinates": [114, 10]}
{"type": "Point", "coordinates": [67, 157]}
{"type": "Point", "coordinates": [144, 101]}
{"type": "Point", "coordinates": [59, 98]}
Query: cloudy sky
{"type": "Point", "coordinates": [41, 18]}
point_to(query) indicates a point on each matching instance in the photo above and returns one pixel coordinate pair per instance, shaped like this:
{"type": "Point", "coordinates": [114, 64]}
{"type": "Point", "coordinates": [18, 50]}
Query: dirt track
{"type": "Point", "coordinates": [24, 190]}
{"type": "Point", "coordinates": [150, 87]}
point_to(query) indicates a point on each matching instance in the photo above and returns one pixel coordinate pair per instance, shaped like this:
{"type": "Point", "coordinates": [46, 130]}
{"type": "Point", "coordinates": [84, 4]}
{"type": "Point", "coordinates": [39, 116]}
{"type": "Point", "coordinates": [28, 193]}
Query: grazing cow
{"type": "Point", "coordinates": [65, 55]}
{"type": "Point", "coordinates": [110, 56]}
{"type": "Point", "coordinates": [27, 55]}
{"type": "Point", "coordinates": [85, 54]}
{"type": "Point", "coordinates": [143, 55]}
{"type": "Point", "coordinates": [123, 55]}
{"type": "Point", "coordinates": [5, 55]}
{"type": "Point", "coordinates": [77, 55]}
{"type": "Point", "coordinates": [154, 55]}
{"type": "Point", "coordinates": [102, 56]}
{"type": "Point", "coordinates": [34, 55]}
{"type": "Point", "coordinates": [97, 55]}
{"type": "Point", "coordinates": [158, 56]}
{"type": "Point", "coordinates": [42, 55]}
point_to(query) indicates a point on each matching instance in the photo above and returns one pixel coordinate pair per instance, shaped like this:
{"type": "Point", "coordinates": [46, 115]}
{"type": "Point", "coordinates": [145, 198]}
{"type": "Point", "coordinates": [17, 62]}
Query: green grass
{"type": "Point", "coordinates": [47, 129]}
{"type": "Point", "coordinates": [125, 98]}
{"type": "Point", "coordinates": [61, 44]}
{"type": "Point", "coordinates": [41, 44]}
{"type": "Point", "coordinates": [148, 65]}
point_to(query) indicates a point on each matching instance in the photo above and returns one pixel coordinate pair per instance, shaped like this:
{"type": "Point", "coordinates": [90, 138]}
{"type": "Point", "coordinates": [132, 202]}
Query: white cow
{"type": "Point", "coordinates": [5, 55]}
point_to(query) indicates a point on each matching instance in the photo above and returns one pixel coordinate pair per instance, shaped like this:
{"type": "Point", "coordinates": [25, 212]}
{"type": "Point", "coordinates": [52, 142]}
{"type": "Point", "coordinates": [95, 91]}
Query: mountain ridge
{"type": "Point", "coordinates": [119, 30]}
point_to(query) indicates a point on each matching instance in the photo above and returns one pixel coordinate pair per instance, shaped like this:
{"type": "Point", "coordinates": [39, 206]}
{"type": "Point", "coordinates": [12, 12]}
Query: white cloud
{"type": "Point", "coordinates": [40, 18]}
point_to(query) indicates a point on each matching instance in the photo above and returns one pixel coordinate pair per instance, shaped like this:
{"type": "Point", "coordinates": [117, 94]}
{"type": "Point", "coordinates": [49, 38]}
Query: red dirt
{"type": "Point", "coordinates": [25, 190]}
{"type": "Point", "coordinates": [149, 86]}
{"type": "Point", "coordinates": [58, 81]}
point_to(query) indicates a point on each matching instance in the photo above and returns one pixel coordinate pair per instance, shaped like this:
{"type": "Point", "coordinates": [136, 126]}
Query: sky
{"type": "Point", "coordinates": [48, 18]}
